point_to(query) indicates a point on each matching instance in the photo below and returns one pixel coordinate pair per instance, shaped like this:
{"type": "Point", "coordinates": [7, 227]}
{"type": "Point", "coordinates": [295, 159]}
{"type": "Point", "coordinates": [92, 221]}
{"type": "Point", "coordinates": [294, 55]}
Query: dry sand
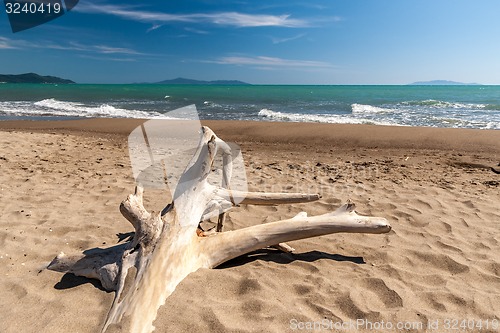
{"type": "Point", "coordinates": [61, 184]}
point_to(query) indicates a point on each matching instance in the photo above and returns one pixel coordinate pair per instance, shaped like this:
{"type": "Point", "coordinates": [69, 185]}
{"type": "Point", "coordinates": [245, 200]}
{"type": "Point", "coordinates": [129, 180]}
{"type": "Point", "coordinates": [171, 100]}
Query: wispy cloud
{"type": "Point", "coordinates": [334, 19]}
{"type": "Point", "coordinates": [97, 49]}
{"type": "Point", "coordinates": [6, 43]}
{"type": "Point", "coordinates": [107, 58]}
{"type": "Point", "coordinates": [197, 31]}
{"type": "Point", "coordinates": [286, 39]}
{"type": "Point", "coordinates": [71, 46]}
{"type": "Point", "coordinates": [235, 19]}
{"type": "Point", "coordinates": [154, 27]}
{"type": "Point", "coordinates": [250, 20]}
{"type": "Point", "coordinates": [108, 50]}
{"type": "Point", "coordinates": [263, 62]}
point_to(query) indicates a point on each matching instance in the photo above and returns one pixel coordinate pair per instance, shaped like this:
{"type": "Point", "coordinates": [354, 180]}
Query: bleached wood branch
{"type": "Point", "coordinates": [166, 246]}
{"type": "Point", "coordinates": [266, 198]}
{"type": "Point", "coordinates": [231, 244]}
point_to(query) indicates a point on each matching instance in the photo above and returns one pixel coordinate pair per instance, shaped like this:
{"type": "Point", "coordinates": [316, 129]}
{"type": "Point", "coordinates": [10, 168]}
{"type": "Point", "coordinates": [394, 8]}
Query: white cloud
{"type": "Point", "coordinates": [108, 49]}
{"type": "Point", "coordinates": [197, 31]}
{"type": "Point", "coordinates": [223, 18]}
{"type": "Point", "coordinates": [154, 27]}
{"type": "Point", "coordinates": [107, 58]}
{"type": "Point", "coordinates": [6, 43]}
{"type": "Point", "coordinates": [284, 40]}
{"type": "Point", "coordinates": [250, 20]}
{"type": "Point", "coordinates": [72, 46]}
{"type": "Point", "coordinates": [271, 62]}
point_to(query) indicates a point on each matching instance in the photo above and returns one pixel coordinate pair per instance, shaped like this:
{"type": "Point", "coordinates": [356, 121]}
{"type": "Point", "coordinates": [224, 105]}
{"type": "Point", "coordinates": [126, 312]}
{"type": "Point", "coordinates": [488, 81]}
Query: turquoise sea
{"type": "Point", "coordinates": [474, 106]}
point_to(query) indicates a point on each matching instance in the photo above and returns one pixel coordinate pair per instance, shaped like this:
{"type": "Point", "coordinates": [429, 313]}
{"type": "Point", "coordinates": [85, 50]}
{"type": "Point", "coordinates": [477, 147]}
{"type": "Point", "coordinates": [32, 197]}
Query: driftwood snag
{"type": "Point", "coordinates": [167, 246]}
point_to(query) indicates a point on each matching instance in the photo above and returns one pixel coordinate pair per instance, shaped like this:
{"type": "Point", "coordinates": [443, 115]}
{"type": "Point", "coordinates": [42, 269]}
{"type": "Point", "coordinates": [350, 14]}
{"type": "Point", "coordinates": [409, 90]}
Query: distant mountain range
{"type": "Point", "coordinates": [36, 78]}
{"type": "Point", "coordinates": [181, 80]}
{"type": "Point", "coordinates": [442, 83]}
{"type": "Point", "coordinates": [31, 78]}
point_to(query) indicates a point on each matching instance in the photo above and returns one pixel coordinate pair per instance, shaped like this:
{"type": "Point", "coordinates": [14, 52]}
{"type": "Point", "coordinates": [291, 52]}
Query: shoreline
{"type": "Point", "coordinates": [338, 135]}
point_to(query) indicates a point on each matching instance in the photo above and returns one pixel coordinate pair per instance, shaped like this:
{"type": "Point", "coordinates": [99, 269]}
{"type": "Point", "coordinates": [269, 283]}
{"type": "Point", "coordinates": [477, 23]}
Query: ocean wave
{"type": "Point", "coordinates": [210, 104]}
{"type": "Point", "coordinates": [318, 118]}
{"type": "Point", "coordinates": [493, 107]}
{"type": "Point", "coordinates": [444, 105]}
{"type": "Point", "coordinates": [492, 125]}
{"type": "Point", "coordinates": [368, 109]}
{"type": "Point", "coordinates": [53, 107]}
{"type": "Point", "coordinates": [454, 121]}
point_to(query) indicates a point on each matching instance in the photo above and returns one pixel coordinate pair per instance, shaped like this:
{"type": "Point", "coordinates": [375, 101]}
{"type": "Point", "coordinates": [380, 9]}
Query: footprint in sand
{"type": "Point", "coordinates": [441, 262]}
{"type": "Point", "coordinates": [248, 285]}
{"type": "Point", "coordinates": [388, 296]}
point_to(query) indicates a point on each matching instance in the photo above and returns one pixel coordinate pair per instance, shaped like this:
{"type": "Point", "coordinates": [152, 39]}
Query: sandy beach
{"type": "Point", "coordinates": [61, 184]}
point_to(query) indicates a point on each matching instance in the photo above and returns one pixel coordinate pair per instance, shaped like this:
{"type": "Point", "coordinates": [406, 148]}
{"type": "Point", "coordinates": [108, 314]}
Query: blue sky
{"type": "Point", "coordinates": [263, 42]}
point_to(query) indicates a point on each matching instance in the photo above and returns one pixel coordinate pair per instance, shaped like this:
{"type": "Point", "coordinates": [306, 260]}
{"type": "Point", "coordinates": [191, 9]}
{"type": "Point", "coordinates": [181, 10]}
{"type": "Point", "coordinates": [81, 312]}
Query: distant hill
{"type": "Point", "coordinates": [442, 83]}
{"type": "Point", "coordinates": [31, 78]}
{"type": "Point", "coordinates": [181, 80]}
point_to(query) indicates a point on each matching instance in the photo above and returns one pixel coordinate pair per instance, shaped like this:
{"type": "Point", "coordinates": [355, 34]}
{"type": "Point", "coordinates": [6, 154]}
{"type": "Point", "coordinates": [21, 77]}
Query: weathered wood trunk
{"type": "Point", "coordinates": [168, 246]}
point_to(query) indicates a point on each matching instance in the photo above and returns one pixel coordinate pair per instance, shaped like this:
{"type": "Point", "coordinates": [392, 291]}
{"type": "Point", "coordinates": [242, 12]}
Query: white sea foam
{"type": "Point", "coordinates": [53, 107]}
{"type": "Point", "coordinates": [58, 105]}
{"type": "Point", "coordinates": [318, 118]}
{"type": "Point", "coordinates": [12, 105]}
{"type": "Point", "coordinates": [435, 104]}
{"type": "Point", "coordinates": [211, 104]}
{"type": "Point", "coordinates": [368, 109]}
{"type": "Point", "coordinates": [492, 125]}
